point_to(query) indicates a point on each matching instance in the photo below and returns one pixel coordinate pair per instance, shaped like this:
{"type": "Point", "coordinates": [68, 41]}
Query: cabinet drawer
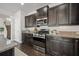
{"type": "Point", "coordinates": [68, 49]}
{"type": "Point", "coordinates": [68, 40]}
{"type": "Point", "coordinates": [53, 38]}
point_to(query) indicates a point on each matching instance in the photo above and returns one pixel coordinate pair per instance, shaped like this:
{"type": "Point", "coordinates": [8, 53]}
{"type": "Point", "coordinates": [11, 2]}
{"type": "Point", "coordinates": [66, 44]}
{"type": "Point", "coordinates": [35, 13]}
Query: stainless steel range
{"type": "Point", "coordinates": [40, 40]}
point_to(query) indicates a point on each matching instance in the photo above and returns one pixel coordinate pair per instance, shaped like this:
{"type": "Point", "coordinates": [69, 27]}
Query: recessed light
{"type": "Point", "coordinates": [22, 3]}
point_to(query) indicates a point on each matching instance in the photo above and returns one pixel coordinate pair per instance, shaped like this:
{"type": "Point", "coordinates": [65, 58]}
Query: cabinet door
{"type": "Point", "coordinates": [60, 46]}
{"type": "Point", "coordinates": [26, 21]}
{"type": "Point", "coordinates": [48, 46]}
{"type": "Point", "coordinates": [67, 49]}
{"type": "Point", "coordinates": [30, 21]}
{"type": "Point", "coordinates": [55, 47]}
{"type": "Point", "coordinates": [33, 20]}
{"type": "Point", "coordinates": [23, 38]}
{"type": "Point", "coordinates": [42, 12]}
{"type": "Point", "coordinates": [62, 14]}
{"type": "Point", "coordinates": [52, 17]}
{"type": "Point", "coordinates": [29, 38]}
{"type": "Point", "coordinates": [68, 46]}
{"type": "Point", "coordinates": [74, 20]}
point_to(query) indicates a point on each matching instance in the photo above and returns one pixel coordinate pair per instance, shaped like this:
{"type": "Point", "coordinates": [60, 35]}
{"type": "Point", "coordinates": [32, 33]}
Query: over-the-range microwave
{"type": "Point", "coordinates": [41, 22]}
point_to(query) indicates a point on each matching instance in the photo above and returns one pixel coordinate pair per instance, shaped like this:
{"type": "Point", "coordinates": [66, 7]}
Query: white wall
{"type": "Point", "coordinates": [12, 28]}
{"type": "Point", "coordinates": [22, 20]}
{"type": "Point", "coordinates": [17, 27]}
{"type": "Point", "coordinates": [4, 12]}
{"type": "Point", "coordinates": [1, 22]}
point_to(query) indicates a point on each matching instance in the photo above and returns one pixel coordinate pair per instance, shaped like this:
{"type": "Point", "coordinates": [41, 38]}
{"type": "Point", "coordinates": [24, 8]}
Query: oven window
{"type": "Point", "coordinates": [39, 39]}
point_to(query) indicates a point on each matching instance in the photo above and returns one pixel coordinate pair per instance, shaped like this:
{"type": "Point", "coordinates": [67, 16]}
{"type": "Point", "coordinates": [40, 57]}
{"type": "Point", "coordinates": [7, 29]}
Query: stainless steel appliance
{"type": "Point", "coordinates": [39, 43]}
{"type": "Point", "coordinates": [41, 21]}
{"type": "Point", "coordinates": [42, 16]}
{"type": "Point", "coordinates": [40, 40]}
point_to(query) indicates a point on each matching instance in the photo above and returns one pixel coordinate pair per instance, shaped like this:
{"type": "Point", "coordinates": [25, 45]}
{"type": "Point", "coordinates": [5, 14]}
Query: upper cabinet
{"type": "Point", "coordinates": [52, 17]}
{"type": "Point", "coordinates": [62, 14]}
{"type": "Point", "coordinates": [59, 15]}
{"type": "Point", "coordinates": [42, 12]}
{"type": "Point", "coordinates": [30, 21]}
{"type": "Point", "coordinates": [42, 16]}
{"type": "Point", "coordinates": [74, 14]}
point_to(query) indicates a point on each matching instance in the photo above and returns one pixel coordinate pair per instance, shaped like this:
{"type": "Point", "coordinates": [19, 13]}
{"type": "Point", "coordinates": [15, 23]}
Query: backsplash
{"type": "Point", "coordinates": [58, 28]}
{"type": "Point", "coordinates": [68, 28]}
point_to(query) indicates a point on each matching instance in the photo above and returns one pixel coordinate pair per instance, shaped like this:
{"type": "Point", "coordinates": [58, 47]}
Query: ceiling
{"type": "Point", "coordinates": [27, 7]}
{"type": "Point", "coordinates": [11, 7]}
{"type": "Point", "coordinates": [3, 16]}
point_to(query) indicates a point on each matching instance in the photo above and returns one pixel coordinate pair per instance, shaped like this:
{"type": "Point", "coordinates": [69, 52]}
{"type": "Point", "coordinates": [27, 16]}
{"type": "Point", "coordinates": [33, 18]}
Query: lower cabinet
{"type": "Point", "coordinates": [27, 38]}
{"type": "Point", "coordinates": [59, 46]}
{"type": "Point", "coordinates": [9, 52]}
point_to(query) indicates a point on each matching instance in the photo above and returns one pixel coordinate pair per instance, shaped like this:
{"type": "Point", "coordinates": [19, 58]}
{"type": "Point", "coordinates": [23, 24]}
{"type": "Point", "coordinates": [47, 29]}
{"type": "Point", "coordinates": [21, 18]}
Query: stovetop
{"type": "Point", "coordinates": [39, 35]}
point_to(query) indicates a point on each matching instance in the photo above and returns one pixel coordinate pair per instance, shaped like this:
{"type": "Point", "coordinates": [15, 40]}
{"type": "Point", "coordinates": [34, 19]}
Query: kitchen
{"type": "Point", "coordinates": [51, 28]}
{"type": "Point", "coordinates": [42, 29]}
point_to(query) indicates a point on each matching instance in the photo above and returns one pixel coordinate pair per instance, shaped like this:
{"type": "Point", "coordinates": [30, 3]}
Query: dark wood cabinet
{"type": "Point", "coordinates": [53, 46]}
{"type": "Point", "coordinates": [59, 15]}
{"type": "Point", "coordinates": [52, 17]}
{"type": "Point", "coordinates": [68, 46]}
{"type": "Point", "coordinates": [74, 12]}
{"type": "Point", "coordinates": [42, 12]}
{"type": "Point", "coordinates": [42, 15]}
{"type": "Point", "coordinates": [9, 52]}
{"type": "Point", "coordinates": [26, 21]}
{"type": "Point", "coordinates": [63, 14]}
{"type": "Point", "coordinates": [30, 21]}
{"type": "Point", "coordinates": [61, 46]}
{"type": "Point", "coordinates": [27, 38]}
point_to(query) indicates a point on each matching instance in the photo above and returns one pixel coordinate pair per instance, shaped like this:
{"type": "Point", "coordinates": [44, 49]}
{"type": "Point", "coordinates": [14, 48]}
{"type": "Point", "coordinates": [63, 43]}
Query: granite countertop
{"type": "Point", "coordinates": [61, 36]}
{"type": "Point", "coordinates": [28, 32]}
{"type": "Point", "coordinates": [66, 34]}
{"type": "Point", "coordinates": [4, 46]}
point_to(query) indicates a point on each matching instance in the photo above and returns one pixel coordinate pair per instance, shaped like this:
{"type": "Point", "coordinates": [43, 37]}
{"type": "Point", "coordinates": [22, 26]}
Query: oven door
{"type": "Point", "coordinates": [39, 42]}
